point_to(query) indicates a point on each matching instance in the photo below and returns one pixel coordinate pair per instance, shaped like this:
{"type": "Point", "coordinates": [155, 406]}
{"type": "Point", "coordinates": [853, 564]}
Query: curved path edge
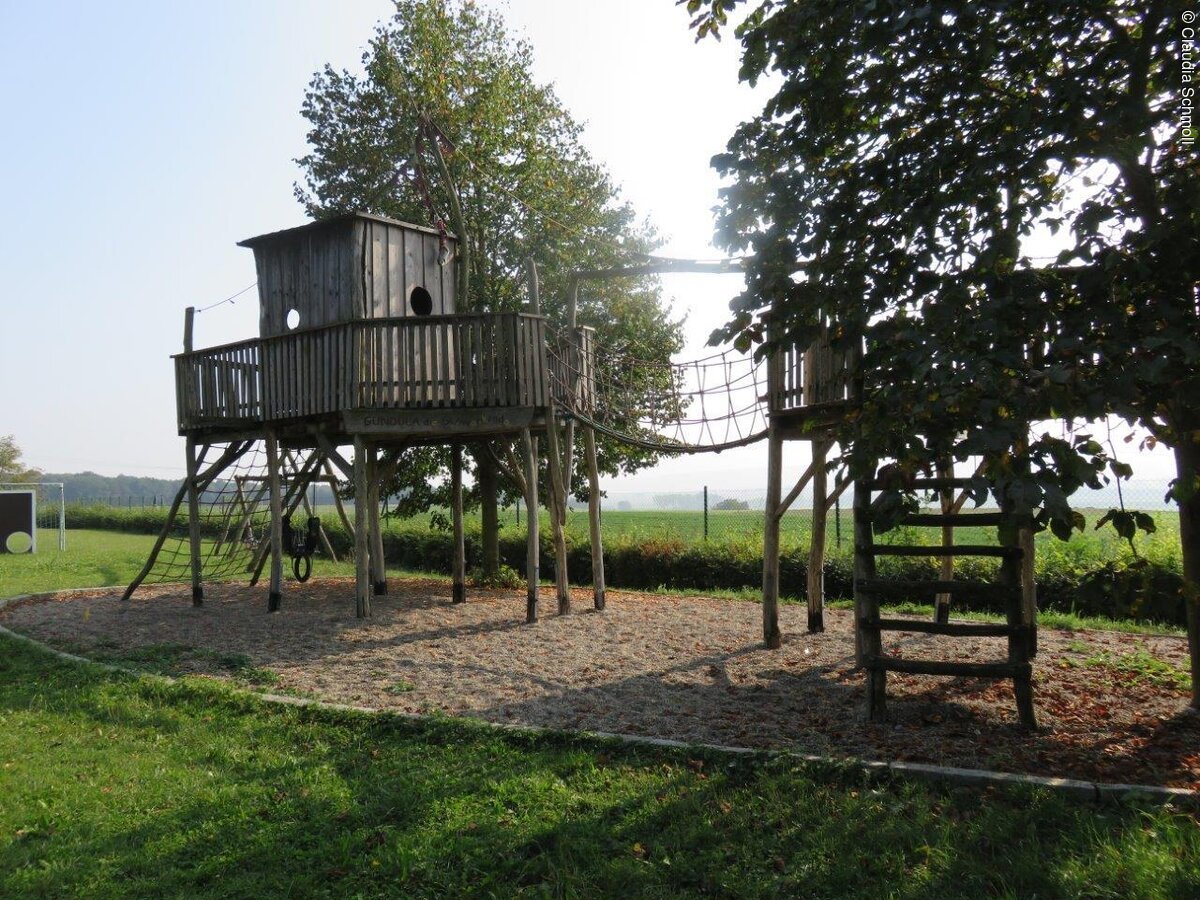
{"type": "Point", "coordinates": [1077, 789]}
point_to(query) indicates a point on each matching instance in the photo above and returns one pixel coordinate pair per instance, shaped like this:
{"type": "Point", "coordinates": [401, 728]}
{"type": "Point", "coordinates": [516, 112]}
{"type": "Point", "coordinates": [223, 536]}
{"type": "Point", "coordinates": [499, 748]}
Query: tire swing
{"type": "Point", "coordinates": [300, 546]}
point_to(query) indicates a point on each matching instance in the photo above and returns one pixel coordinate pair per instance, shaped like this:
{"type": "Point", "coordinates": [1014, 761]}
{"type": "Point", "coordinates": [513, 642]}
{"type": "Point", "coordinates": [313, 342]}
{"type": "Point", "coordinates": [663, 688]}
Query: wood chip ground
{"type": "Point", "coordinates": [693, 669]}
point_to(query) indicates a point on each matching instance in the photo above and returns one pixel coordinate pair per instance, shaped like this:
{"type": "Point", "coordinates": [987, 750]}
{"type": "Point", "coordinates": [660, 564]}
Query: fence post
{"type": "Point", "coordinates": [706, 512]}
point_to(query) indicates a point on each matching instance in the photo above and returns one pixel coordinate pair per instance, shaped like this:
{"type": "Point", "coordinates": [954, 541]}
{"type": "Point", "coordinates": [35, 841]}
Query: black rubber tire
{"type": "Point", "coordinates": [302, 568]}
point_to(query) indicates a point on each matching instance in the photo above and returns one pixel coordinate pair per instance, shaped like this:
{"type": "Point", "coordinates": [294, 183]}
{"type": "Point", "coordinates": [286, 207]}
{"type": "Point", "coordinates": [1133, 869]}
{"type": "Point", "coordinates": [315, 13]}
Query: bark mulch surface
{"type": "Point", "coordinates": [1111, 707]}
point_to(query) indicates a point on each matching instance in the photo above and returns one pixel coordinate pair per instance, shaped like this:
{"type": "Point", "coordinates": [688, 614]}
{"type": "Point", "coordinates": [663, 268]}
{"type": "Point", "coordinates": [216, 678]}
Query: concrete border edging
{"type": "Point", "coordinates": [1076, 789]}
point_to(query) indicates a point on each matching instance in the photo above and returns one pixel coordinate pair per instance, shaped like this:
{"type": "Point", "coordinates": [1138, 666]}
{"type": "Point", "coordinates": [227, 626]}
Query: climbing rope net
{"type": "Point", "coordinates": [234, 512]}
{"type": "Point", "coordinates": [705, 405]}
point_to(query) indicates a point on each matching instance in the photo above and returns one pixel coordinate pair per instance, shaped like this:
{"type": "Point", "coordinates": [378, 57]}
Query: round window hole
{"type": "Point", "coordinates": [421, 301]}
{"type": "Point", "coordinates": [293, 319]}
{"type": "Point", "coordinates": [19, 542]}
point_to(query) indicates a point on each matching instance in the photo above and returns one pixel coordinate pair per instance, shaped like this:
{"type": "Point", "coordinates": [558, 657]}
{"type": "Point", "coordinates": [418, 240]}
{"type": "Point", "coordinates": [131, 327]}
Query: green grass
{"type": "Point", "coordinates": [119, 786]}
{"type": "Point", "coordinates": [97, 559]}
{"type": "Point", "coordinates": [1140, 663]}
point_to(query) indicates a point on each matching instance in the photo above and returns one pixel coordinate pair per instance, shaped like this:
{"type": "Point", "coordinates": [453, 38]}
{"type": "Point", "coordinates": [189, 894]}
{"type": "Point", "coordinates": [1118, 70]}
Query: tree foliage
{"type": "Point", "coordinates": [514, 156]}
{"type": "Point", "coordinates": [892, 186]}
{"type": "Point", "coordinates": [11, 466]}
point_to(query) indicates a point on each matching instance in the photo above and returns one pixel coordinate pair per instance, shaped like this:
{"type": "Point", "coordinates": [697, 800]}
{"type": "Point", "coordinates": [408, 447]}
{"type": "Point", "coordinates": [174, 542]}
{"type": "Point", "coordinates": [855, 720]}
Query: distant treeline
{"type": "Point", "coordinates": [118, 490]}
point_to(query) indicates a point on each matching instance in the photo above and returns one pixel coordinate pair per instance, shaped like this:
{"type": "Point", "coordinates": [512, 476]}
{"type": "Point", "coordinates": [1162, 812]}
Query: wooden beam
{"type": "Point", "coordinates": [362, 564]}
{"type": "Point", "coordinates": [786, 503]}
{"type": "Point", "coordinates": [842, 482]}
{"type": "Point", "coordinates": [532, 539]}
{"type": "Point", "coordinates": [189, 323]}
{"type": "Point", "coordinates": [531, 272]}
{"type": "Point", "coordinates": [816, 547]}
{"type": "Point", "coordinates": [275, 591]}
{"type": "Point", "coordinates": [337, 501]}
{"type": "Point", "coordinates": [332, 455]}
{"type": "Point", "coordinates": [193, 497]}
{"type": "Point", "coordinates": [594, 531]}
{"type": "Point", "coordinates": [378, 563]}
{"type": "Point", "coordinates": [941, 609]}
{"type": "Point", "coordinates": [771, 523]}
{"type": "Point", "coordinates": [459, 569]}
{"type": "Point", "coordinates": [558, 515]}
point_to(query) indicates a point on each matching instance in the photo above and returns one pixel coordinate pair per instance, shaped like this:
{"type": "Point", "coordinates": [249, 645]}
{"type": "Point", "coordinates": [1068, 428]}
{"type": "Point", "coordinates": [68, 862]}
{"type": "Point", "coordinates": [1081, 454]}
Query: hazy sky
{"type": "Point", "coordinates": [143, 140]}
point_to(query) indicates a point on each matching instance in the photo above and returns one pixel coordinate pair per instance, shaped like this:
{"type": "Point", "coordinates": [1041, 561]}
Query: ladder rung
{"type": "Point", "coordinates": [945, 667]}
{"type": "Point", "coordinates": [884, 587]}
{"type": "Point", "coordinates": [952, 629]}
{"type": "Point", "coordinates": [931, 550]}
{"type": "Point", "coordinates": [956, 520]}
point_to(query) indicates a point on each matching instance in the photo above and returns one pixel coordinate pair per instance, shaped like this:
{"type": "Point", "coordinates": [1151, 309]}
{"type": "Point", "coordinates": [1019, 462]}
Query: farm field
{"type": "Point", "coordinates": [743, 528]}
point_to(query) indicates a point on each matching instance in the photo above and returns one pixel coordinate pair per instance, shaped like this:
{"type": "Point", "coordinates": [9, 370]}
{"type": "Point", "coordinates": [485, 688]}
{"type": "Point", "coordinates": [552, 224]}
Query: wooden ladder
{"type": "Point", "coordinates": [870, 590]}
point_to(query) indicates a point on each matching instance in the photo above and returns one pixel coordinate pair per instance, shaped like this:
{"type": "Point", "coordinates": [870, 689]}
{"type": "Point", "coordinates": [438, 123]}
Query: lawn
{"type": "Point", "coordinates": [117, 786]}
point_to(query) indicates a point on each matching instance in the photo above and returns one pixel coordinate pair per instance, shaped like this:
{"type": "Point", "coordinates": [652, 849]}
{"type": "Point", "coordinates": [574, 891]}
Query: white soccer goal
{"type": "Point", "coordinates": [50, 507]}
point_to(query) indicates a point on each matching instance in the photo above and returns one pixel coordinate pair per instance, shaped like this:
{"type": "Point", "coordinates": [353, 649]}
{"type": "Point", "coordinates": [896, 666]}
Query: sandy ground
{"type": "Point", "coordinates": [693, 669]}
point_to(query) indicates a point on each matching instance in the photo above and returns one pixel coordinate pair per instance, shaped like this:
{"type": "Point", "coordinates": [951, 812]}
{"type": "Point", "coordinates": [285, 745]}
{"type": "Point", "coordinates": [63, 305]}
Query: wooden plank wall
{"type": "Point", "coordinates": [346, 271]}
{"type": "Point", "coordinates": [397, 260]}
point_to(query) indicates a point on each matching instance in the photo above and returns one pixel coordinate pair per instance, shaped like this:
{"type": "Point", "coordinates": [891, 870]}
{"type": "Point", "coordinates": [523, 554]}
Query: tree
{"type": "Point", "coordinates": [11, 467]}
{"type": "Point", "coordinates": [891, 186]}
{"type": "Point", "coordinates": [447, 113]}
{"type": "Point", "coordinates": [730, 503]}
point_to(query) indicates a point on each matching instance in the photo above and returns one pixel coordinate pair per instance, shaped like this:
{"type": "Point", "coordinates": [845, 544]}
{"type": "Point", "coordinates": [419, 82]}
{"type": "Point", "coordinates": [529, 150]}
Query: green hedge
{"type": "Point", "coordinates": [1137, 589]}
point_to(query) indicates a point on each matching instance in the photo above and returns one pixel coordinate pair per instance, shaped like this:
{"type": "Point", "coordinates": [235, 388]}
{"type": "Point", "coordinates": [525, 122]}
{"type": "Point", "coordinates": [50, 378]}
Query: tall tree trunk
{"type": "Point", "coordinates": [1187, 467]}
{"type": "Point", "coordinates": [489, 491]}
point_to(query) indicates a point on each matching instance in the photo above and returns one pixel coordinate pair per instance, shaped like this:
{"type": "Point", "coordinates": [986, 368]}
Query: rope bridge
{"type": "Point", "coordinates": [705, 405]}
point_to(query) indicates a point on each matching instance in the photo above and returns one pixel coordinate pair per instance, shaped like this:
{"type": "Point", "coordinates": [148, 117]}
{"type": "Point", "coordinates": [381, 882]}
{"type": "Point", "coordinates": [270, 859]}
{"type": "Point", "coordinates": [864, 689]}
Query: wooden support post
{"type": "Point", "coordinates": [816, 548]}
{"type": "Point", "coordinates": [1018, 641]}
{"type": "Point", "coordinates": [193, 497]}
{"type": "Point", "coordinates": [597, 540]}
{"type": "Point", "coordinates": [531, 274]}
{"type": "Point", "coordinates": [378, 563]}
{"type": "Point", "coordinates": [362, 529]}
{"type": "Point", "coordinates": [941, 608]}
{"type": "Point", "coordinates": [275, 591]}
{"type": "Point", "coordinates": [868, 645]}
{"type": "Point", "coordinates": [459, 591]}
{"type": "Point", "coordinates": [189, 322]}
{"type": "Point", "coordinates": [573, 381]}
{"type": "Point", "coordinates": [1029, 588]}
{"type": "Point", "coordinates": [557, 514]}
{"type": "Point", "coordinates": [771, 525]}
{"type": "Point", "coordinates": [532, 539]}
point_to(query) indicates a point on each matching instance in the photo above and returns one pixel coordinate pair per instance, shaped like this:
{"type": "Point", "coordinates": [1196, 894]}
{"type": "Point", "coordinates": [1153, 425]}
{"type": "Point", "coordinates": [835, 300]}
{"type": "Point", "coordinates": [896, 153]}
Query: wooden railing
{"type": "Point", "coordinates": [222, 384]}
{"type": "Point", "coordinates": [572, 367]}
{"type": "Point", "coordinates": [810, 377]}
{"type": "Point", "coordinates": [401, 363]}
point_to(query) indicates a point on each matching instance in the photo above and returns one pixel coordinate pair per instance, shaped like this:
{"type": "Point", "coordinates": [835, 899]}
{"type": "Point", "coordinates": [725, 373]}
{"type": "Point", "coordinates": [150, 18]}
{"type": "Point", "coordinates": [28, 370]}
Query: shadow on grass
{"type": "Point", "coordinates": [241, 799]}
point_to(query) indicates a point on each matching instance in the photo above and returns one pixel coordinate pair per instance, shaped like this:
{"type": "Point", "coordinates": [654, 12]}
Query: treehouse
{"type": "Point", "coordinates": [359, 335]}
{"type": "Point", "coordinates": [361, 342]}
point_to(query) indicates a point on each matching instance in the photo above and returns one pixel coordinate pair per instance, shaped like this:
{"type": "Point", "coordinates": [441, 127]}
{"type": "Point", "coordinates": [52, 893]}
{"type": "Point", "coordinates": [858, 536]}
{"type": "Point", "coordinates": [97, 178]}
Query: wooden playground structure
{"type": "Point", "coordinates": [361, 345]}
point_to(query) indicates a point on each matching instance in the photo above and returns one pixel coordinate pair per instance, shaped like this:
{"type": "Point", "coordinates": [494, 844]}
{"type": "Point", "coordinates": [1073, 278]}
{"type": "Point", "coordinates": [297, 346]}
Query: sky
{"type": "Point", "coordinates": [144, 140]}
